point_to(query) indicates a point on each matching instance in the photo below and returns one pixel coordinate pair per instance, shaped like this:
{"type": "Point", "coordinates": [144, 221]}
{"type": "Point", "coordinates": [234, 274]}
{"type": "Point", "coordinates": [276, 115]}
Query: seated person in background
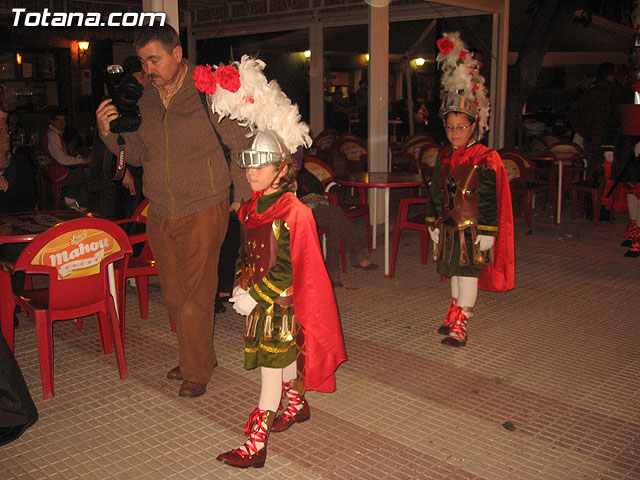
{"type": "Point", "coordinates": [336, 225]}
{"type": "Point", "coordinates": [72, 139]}
{"type": "Point", "coordinates": [16, 130]}
{"type": "Point", "coordinates": [17, 189]}
{"type": "Point", "coordinates": [420, 114]}
{"type": "Point", "coordinates": [75, 196]}
{"type": "Point", "coordinates": [17, 194]}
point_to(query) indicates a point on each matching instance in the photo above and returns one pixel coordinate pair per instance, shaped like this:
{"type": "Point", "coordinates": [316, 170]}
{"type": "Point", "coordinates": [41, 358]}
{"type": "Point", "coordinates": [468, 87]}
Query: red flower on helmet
{"type": "Point", "coordinates": [228, 77]}
{"type": "Point", "coordinates": [204, 78]}
{"type": "Point", "coordinates": [445, 45]}
{"type": "Point", "coordinates": [463, 55]}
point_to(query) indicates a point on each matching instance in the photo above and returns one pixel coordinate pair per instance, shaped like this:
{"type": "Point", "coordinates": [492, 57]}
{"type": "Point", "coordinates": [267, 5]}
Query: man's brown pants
{"type": "Point", "coordinates": [186, 251]}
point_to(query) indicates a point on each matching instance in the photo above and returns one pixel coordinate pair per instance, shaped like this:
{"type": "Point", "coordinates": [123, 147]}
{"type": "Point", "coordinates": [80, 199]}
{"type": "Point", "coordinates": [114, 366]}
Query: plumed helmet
{"type": "Point", "coordinates": [456, 103]}
{"type": "Point", "coordinates": [267, 148]}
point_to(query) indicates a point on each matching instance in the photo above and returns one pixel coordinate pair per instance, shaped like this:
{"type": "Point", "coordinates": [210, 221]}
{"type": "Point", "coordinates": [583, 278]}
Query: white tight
{"type": "Point", "coordinates": [465, 289]}
{"type": "Point", "coordinates": [271, 388]}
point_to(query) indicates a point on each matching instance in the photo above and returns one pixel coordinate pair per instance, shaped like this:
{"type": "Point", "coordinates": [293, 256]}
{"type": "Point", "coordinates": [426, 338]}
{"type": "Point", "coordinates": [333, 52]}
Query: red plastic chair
{"type": "Point", "coordinates": [524, 184]}
{"type": "Point", "coordinates": [7, 304]}
{"type": "Point", "coordinates": [586, 181]}
{"type": "Point", "coordinates": [75, 255]}
{"type": "Point", "coordinates": [427, 157]}
{"type": "Point", "coordinates": [354, 151]}
{"type": "Point", "coordinates": [321, 170]}
{"type": "Point", "coordinates": [139, 267]}
{"type": "Point", "coordinates": [407, 158]}
{"type": "Point", "coordinates": [325, 174]}
{"type": "Point", "coordinates": [403, 221]}
{"type": "Point", "coordinates": [325, 144]}
{"type": "Point", "coordinates": [419, 136]}
{"type": "Point", "coordinates": [424, 162]}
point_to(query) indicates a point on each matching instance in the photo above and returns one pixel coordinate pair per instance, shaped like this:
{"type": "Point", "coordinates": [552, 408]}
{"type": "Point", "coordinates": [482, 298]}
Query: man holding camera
{"type": "Point", "coordinates": [186, 179]}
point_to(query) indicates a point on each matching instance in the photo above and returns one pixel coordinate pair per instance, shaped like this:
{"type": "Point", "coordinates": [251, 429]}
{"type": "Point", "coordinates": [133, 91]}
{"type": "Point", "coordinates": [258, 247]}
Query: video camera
{"type": "Point", "coordinates": [125, 91]}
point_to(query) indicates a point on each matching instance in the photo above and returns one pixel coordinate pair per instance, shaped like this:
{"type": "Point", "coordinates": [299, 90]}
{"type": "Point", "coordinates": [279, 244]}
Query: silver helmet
{"type": "Point", "coordinates": [267, 148]}
{"type": "Point", "coordinates": [456, 103]}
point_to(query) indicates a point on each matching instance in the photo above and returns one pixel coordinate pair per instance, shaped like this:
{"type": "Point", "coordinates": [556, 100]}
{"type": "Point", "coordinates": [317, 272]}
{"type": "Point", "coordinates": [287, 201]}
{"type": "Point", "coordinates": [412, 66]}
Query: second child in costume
{"type": "Point", "coordinates": [292, 329]}
{"type": "Point", "coordinates": [626, 170]}
{"type": "Point", "coordinates": [469, 212]}
{"type": "Point", "coordinates": [626, 164]}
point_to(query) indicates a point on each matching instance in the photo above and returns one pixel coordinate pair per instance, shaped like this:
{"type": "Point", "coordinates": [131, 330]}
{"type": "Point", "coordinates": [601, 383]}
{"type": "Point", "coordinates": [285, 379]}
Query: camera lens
{"type": "Point", "coordinates": [125, 91]}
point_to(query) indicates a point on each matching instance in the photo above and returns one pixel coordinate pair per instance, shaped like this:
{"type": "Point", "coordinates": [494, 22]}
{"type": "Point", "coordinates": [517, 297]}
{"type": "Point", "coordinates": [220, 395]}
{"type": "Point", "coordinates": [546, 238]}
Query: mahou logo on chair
{"type": "Point", "coordinates": [77, 253]}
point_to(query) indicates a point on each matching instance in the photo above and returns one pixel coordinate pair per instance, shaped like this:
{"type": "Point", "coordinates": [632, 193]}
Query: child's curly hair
{"type": "Point", "coordinates": [288, 180]}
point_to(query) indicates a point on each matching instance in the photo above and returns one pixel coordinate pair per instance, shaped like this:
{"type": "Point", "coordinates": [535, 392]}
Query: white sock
{"type": "Point", "coordinates": [271, 389]}
{"type": "Point", "coordinates": [290, 372]}
{"type": "Point", "coordinates": [468, 293]}
{"type": "Point", "coordinates": [454, 287]}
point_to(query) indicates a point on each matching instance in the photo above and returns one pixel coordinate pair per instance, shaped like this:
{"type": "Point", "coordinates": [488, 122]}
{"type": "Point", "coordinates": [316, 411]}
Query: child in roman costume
{"type": "Point", "coordinates": [626, 162]}
{"type": "Point", "coordinates": [469, 211]}
{"type": "Point", "coordinates": [292, 330]}
{"type": "Point", "coordinates": [626, 170]}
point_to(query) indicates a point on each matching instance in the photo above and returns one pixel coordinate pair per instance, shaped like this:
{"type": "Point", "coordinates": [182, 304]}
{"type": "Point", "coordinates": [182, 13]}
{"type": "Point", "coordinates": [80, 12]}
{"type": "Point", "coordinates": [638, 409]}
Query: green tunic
{"type": "Point", "coordinates": [270, 330]}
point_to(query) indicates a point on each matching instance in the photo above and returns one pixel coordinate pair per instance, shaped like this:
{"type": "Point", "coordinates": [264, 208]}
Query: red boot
{"type": "Point", "coordinates": [634, 250]}
{"type": "Point", "coordinates": [629, 233]}
{"type": "Point", "coordinates": [444, 328]}
{"type": "Point", "coordinates": [298, 410]}
{"type": "Point", "coordinates": [254, 452]}
{"type": "Point", "coordinates": [458, 332]}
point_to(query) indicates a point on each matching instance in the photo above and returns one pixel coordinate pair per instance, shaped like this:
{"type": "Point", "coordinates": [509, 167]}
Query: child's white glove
{"type": "Point", "coordinates": [244, 303]}
{"type": "Point", "coordinates": [237, 291]}
{"type": "Point", "coordinates": [435, 234]}
{"type": "Point", "coordinates": [485, 241]}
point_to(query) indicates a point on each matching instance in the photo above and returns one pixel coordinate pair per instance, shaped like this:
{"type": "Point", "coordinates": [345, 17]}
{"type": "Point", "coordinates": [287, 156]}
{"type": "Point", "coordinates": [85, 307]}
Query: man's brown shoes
{"type": "Point", "coordinates": [192, 389]}
{"type": "Point", "coordinates": [175, 374]}
{"type": "Point", "coordinates": [188, 388]}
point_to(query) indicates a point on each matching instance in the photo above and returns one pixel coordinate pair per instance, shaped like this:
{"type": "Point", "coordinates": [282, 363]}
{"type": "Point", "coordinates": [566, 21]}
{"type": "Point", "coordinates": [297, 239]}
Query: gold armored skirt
{"type": "Point", "coordinates": [270, 337]}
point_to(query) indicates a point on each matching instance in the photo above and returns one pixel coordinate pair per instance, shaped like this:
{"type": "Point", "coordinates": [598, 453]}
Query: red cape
{"type": "Point", "coordinates": [313, 299]}
{"type": "Point", "coordinates": [500, 275]}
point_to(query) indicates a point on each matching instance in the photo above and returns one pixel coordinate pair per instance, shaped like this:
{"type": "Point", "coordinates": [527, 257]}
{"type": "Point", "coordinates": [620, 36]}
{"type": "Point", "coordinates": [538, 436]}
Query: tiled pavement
{"type": "Point", "coordinates": [558, 356]}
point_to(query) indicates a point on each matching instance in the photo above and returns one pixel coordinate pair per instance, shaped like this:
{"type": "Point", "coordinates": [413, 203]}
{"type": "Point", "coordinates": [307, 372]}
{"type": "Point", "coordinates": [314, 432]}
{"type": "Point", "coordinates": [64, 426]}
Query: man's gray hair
{"type": "Point", "coordinates": [165, 34]}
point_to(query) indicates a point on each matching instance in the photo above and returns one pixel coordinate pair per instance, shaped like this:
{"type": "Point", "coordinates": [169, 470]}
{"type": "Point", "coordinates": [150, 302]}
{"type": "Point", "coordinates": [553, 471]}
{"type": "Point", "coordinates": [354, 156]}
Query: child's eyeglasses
{"type": "Point", "coordinates": [459, 128]}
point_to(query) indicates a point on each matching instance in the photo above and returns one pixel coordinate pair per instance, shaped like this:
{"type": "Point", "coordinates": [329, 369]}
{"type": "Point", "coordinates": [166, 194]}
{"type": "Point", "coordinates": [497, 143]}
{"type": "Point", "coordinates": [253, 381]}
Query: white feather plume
{"type": "Point", "coordinates": [261, 105]}
{"type": "Point", "coordinates": [459, 74]}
